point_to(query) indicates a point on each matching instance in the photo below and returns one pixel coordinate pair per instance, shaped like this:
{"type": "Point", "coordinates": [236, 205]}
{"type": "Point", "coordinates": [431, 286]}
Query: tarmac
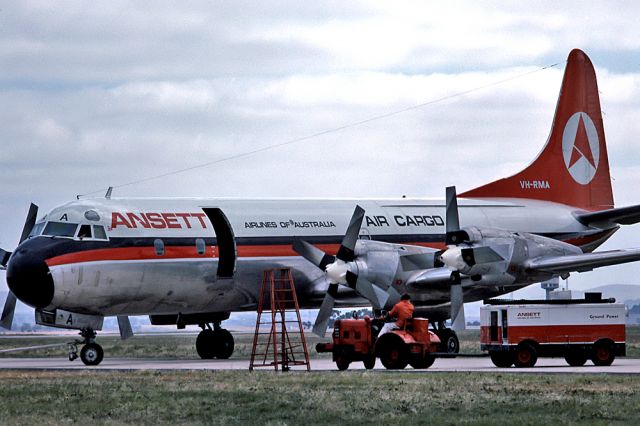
{"type": "Point", "coordinates": [461, 364]}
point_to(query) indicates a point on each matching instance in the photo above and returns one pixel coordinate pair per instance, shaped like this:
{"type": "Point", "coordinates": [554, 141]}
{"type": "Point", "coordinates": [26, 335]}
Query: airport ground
{"type": "Point", "coordinates": [320, 397]}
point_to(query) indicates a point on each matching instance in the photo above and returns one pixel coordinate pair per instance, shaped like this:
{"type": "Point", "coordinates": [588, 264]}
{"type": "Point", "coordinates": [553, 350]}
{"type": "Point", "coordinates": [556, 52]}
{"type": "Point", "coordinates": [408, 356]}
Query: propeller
{"type": "Point", "coordinates": [6, 320]}
{"type": "Point", "coordinates": [452, 257]}
{"type": "Point", "coordinates": [341, 270]}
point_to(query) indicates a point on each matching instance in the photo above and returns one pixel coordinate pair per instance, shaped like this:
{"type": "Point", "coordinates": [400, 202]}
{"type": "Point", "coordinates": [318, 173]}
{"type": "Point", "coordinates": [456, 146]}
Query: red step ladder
{"type": "Point", "coordinates": [274, 344]}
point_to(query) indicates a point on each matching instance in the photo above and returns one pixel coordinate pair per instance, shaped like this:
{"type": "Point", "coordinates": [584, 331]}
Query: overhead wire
{"type": "Point", "coordinates": [326, 132]}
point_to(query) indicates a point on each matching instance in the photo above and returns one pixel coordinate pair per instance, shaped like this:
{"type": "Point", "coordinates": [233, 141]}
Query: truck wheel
{"type": "Point", "coordinates": [392, 351]}
{"type": "Point", "coordinates": [576, 358]}
{"type": "Point", "coordinates": [342, 363]}
{"type": "Point", "coordinates": [501, 359]}
{"type": "Point", "coordinates": [526, 356]}
{"type": "Point", "coordinates": [425, 362]}
{"type": "Point", "coordinates": [603, 355]}
{"type": "Point", "coordinates": [369, 362]}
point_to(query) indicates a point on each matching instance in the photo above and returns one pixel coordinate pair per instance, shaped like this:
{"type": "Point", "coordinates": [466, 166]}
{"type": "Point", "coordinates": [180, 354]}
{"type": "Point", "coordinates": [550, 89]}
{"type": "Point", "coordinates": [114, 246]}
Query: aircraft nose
{"type": "Point", "coordinates": [28, 276]}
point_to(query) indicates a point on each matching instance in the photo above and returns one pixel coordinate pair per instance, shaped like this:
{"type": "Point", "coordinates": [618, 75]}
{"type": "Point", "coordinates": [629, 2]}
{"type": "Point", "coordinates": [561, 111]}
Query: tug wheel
{"type": "Point", "coordinates": [392, 351]}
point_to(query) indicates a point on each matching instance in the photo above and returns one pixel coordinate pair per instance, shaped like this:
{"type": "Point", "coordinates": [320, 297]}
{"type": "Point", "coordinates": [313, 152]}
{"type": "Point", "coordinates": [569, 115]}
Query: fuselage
{"type": "Point", "coordinates": [167, 256]}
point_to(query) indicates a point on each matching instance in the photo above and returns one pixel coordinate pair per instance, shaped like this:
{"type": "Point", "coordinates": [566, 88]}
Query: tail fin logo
{"type": "Point", "coordinates": [581, 148]}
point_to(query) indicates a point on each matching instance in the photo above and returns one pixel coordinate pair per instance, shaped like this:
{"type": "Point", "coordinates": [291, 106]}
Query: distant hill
{"type": "Point", "coordinates": [626, 293]}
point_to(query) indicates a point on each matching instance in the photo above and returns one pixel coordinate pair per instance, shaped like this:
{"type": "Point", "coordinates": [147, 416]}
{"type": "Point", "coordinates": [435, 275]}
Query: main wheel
{"type": "Point", "coordinates": [205, 344]}
{"type": "Point", "coordinates": [392, 351]}
{"type": "Point", "coordinates": [526, 356]}
{"type": "Point", "coordinates": [223, 343]}
{"type": "Point", "coordinates": [425, 362]}
{"type": "Point", "coordinates": [501, 359]}
{"type": "Point", "coordinates": [91, 354]}
{"type": "Point", "coordinates": [576, 358]}
{"type": "Point", "coordinates": [603, 355]}
{"type": "Point", "coordinates": [449, 341]}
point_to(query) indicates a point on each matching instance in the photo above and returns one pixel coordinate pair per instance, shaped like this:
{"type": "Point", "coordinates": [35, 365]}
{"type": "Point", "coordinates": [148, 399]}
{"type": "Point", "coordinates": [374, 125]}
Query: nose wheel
{"type": "Point", "coordinates": [91, 353]}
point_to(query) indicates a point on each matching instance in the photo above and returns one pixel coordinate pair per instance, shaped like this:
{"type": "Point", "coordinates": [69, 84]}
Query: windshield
{"type": "Point", "coordinates": [60, 229]}
{"type": "Point", "coordinates": [37, 229]}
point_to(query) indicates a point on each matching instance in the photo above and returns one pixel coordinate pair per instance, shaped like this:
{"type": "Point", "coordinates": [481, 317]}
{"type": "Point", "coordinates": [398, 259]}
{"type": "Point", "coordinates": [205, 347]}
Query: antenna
{"type": "Point", "coordinates": [108, 194]}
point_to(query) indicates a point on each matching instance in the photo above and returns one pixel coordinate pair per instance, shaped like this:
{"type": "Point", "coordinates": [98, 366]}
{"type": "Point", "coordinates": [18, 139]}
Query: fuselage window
{"type": "Point", "coordinates": [84, 232]}
{"type": "Point", "coordinates": [60, 229]}
{"type": "Point", "coordinates": [99, 233]}
{"type": "Point", "coordinates": [158, 244]}
{"type": "Point", "coordinates": [200, 246]}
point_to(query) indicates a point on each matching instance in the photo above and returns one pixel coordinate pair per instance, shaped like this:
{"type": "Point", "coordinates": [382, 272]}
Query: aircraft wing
{"type": "Point", "coordinates": [621, 215]}
{"type": "Point", "coordinates": [582, 262]}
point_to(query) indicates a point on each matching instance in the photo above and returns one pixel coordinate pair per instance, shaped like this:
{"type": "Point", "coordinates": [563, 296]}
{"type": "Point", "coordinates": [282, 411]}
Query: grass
{"type": "Point", "coordinates": [264, 397]}
{"type": "Point", "coordinates": [374, 397]}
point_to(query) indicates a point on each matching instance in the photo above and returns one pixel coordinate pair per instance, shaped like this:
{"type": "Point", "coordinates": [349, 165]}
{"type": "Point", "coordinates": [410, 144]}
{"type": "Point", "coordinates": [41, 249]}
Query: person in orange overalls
{"type": "Point", "coordinates": [402, 311]}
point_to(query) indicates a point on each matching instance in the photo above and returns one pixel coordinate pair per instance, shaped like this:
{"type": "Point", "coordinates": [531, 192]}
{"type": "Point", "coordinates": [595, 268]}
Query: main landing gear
{"type": "Point", "coordinates": [91, 353]}
{"type": "Point", "coordinates": [214, 342]}
{"type": "Point", "coordinates": [449, 342]}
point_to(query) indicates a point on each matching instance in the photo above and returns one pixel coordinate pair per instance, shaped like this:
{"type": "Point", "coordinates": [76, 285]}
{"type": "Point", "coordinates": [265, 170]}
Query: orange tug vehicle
{"type": "Point", "coordinates": [519, 332]}
{"type": "Point", "coordinates": [357, 340]}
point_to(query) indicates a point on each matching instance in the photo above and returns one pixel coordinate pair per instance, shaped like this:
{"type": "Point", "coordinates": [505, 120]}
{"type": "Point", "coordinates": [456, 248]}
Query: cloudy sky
{"type": "Point", "coordinates": [98, 94]}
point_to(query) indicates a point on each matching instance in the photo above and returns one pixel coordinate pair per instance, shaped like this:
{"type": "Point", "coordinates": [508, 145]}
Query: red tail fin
{"type": "Point", "coordinates": [573, 167]}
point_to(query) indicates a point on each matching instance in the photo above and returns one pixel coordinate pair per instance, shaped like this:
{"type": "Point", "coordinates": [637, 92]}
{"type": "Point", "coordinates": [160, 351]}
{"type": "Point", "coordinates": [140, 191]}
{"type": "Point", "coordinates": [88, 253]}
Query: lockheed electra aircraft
{"type": "Point", "coordinates": [193, 261]}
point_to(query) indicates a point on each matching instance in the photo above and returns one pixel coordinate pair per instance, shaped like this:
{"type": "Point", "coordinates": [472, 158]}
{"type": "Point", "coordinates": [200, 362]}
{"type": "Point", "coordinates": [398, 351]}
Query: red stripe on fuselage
{"type": "Point", "coordinates": [130, 253]}
{"type": "Point", "coordinates": [189, 252]}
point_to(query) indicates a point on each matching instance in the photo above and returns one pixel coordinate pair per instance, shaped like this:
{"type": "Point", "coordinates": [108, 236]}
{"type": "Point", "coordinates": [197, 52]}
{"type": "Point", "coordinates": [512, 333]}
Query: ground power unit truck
{"type": "Point", "coordinates": [519, 332]}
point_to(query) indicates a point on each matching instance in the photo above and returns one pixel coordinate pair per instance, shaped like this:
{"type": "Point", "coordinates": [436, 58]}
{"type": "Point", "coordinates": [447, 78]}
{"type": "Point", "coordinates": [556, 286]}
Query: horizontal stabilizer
{"type": "Point", "coordinates": [583, 262]}
{"type": "Point", "coordinates": [621, 215]}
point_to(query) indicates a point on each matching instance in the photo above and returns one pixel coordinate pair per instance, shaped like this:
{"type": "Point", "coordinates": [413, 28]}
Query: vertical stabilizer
{"type": "Point", "coordinates": [573, 167]}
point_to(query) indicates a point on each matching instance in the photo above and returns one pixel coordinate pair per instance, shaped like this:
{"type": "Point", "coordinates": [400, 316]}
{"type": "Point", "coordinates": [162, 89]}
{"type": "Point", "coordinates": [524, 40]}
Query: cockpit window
{"type": "Point", "coordinates": [99, 233]}
{"type": "Point", "coordinates": [60, 229]}
{"type": "Point", "coordinates": [37, 229]}
{"type": "Point", "coordinates": [84, 232]}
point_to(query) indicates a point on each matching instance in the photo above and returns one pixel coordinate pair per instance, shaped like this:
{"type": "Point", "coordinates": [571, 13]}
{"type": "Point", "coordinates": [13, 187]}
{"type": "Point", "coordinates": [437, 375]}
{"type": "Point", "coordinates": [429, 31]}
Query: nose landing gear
{"type": "Point", "coordinates": [91, 353]}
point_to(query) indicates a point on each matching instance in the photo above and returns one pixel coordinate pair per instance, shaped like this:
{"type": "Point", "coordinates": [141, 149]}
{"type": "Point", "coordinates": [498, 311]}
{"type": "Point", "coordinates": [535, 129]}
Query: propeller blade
{"type": "Point", "coordinates": [453, 221]}
{"type": "Point", "coordinates": [312, 253]}
{"type": "Point", "coordinates": [346, 251]}
{"type": "Point", "coordinates": [457, 308]}
{"type": "Point", "coordinates": [394, 296]}
{"type": "Point", "coordinates": [4, 258]}
{"type": "Point", "coordinates": [454, 234]}
{"type": "Point", "coordinates": [125, 327]}
{"type": "Point", "coordinates": [326, 309]}
{"type": "Point", "coordinates": [368, 290]}
{"type": "Point", "coordinates": [29, 222]}
{"type": "Point", "coordinates": [7, 313]}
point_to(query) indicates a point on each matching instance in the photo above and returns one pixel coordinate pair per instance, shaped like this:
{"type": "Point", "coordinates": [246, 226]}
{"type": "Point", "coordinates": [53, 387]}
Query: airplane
{"type": "Point", "coordinates": [194, 261]}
